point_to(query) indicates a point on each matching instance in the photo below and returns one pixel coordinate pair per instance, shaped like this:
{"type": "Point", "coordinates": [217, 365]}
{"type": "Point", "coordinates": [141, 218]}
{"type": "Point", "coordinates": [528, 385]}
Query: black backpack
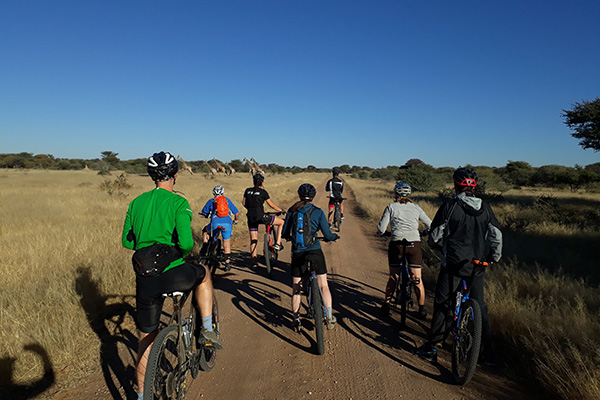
{"type": "Point", "coordinates": [301, 232]}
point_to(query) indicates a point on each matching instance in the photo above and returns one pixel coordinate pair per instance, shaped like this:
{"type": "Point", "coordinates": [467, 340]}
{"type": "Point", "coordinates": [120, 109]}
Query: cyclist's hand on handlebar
{"type": "Point", "coordinates": [336, 237]}
{"type": "Point", "coordinates": [425, 232]}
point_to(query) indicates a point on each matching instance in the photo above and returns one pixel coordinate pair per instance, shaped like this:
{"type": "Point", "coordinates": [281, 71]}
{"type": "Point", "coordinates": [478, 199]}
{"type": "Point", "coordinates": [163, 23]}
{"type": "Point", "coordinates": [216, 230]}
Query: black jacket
{"type": "Point", "coordinates": [466, 229]}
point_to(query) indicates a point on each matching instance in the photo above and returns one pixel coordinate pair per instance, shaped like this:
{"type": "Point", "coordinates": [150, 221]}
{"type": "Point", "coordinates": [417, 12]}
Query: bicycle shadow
{"type": "Point", "coordinates": [108, 322]}
{"type": "Point", "coordinates": [29, 390]}
{"type": "Point", "coordinates": [259, 302]}
{"type": "Point", "coordinates": [359, 315]}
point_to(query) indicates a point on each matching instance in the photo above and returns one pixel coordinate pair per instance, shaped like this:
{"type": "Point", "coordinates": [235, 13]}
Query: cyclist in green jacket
{"type": "Point", "coordinates": [161, 219]}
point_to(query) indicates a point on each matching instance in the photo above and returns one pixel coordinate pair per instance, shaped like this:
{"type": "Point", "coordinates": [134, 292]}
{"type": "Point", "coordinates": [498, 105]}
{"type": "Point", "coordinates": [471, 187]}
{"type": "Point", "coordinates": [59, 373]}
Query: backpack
{"type": "Point", "coordinates": [221, 206]}
{"type": "Point", "coordinates": [301, 231]}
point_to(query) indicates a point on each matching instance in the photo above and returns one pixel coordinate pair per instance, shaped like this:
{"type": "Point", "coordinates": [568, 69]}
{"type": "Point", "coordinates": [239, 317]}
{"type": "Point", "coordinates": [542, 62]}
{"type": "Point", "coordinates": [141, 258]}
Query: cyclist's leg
{"type": "Point", "coordinates": [325, 292]}
{"type": "Point", "coordinates": [297, 271]}
{"type": "Point", "coordinates": [226, 235]}
{"type": "Point", "coordinates": [342, 207]}
{"type": "Point", "coordinates": [391, 283]}
{"type": "Point", "coordinates": [444, 291]}
{"type": "Point", "coordinates": [395, 255]}
{"type": "Point", "coordinates": [414, 257]}
{"type": "Point", "coordinates": [331, 210]}
{"type": "Point", "coordinates": [254, 245]}
{"type": "Point", "coordinates": [486, 333]}
{"type": "Point", "coordinates": [278, 222]}
{"type": "Point", "coordinates": [205, 239]}
{"type": "Point", "coordinates": [144, 345]}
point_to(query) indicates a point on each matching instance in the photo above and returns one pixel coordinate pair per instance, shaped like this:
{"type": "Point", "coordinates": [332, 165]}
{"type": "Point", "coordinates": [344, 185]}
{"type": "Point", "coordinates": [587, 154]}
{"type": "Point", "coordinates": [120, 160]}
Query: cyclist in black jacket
{"type": "Point", "coordinates": [335, 187]}
{"type": "Point", "coordinates": [466, 229]}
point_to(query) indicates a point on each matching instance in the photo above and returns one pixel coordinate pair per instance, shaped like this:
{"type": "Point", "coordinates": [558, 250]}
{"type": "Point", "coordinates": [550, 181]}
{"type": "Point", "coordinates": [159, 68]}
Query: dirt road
{"type": "Point", "coordinates": [264, 359]}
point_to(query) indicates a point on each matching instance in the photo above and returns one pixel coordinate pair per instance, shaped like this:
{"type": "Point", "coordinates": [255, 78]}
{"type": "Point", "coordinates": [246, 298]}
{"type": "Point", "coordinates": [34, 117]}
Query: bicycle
{"type": "Point", "coordinates": [271, 254]}
{"type": "Point", "coordinates": [314, 304]}
{"type": "Point", "coordinates": [337, 213]}
{"type": "Point", "coordinates": [214, 252]}
{"type": "Point", "coordinates": [404, 283]}
{"type": "Point", "coordinates": [175, 351]}
{"type": "Point", "coordinates": [466, 330]}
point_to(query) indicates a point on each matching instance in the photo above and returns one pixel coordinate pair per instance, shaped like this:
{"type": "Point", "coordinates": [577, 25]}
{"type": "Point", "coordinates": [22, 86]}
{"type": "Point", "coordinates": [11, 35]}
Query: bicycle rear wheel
{"type": "Point", "coordinates": [467, 342]}
{"type": "Point", "coordinates": [337, 218]}
{"type": "Point", "coordinates": [213, 249]}
{"type": "Point", "coordinates": [164, 377]}
{"type": "Point", "coordinates": [207, 356]}
{"type": "Point", "coordinates": [317, 305]}
{"type": "Point", "coordinates": [405, 294]}
{"type": "Point", "coordinates": [268, 253]}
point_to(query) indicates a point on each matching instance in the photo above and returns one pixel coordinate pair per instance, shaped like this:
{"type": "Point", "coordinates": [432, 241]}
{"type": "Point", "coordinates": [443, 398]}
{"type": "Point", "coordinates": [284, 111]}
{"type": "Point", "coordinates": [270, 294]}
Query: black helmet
{"type": "Point", "coordinates": [162, 166]}
{"type": "Point", "coordinates": [258, 178]}
{"type": "Point", "coordinates": [335, 171]}
{"type": "Point", "coordinates": [306, 191]}
{"type": "Point", "coordinates": [465, 177]}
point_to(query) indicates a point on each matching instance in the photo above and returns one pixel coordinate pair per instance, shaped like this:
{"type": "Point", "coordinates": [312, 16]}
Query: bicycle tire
{"type": "Point", "coordinates": [337, 219]}
{"type": "Point", "coordinates": [268, 254]}
{"type": "Point", "coordinates": [467, 342]}
{"type": "Point", "coordinates": [163, 378]}
{"type": "Point", "coordinates": [404, 298]}
{"type": "Point", "coordinates": [207, 357]}
{"type": "Point", "coordinates": [317, 305]}
{"type": "Point", "coordinates": [212, 264]}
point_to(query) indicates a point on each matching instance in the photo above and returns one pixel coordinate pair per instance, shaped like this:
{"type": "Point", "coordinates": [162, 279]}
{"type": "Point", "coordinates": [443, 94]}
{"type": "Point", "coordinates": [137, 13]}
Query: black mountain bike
{"type": "Point", "coordinates": [337, 214]}
{"type": "Point", "coordinates": [175, 351]}
{"type": "Point", "coordinates": [466, 330]}
{"type": "Point", "coordinates": [271, 254]}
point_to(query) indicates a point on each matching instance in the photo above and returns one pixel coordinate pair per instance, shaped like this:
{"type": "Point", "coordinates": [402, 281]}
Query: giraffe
{"type": "Point", "coordinates": [257, 167]}
{"type": "Point", "coordinates": [252, 169]}
{"type": "Point", "coordinates": [184, 166]}
{"type": "Point", "coordinates": [212, 170]}
{"type": "Point", "coordinates": [220, 168]}
{"type": "Point", "coordinates": [231, 170]}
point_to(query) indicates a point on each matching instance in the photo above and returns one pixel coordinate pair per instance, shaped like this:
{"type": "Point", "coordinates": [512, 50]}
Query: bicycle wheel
{"type": "Point", "coordinates": [467, 342]}
{"type": "Point", "coordinates": [268, 253]}
{"type": "Point", "coordinates": [404, 287]}
{"type": "Point", "coordinates": [207, 356]}
{"type": "Point", "coordinates": [164, 377]}
{"type": "Point", "coordinates": [317, 305]}
{"type": "Point", "coordinates": [337, 218]}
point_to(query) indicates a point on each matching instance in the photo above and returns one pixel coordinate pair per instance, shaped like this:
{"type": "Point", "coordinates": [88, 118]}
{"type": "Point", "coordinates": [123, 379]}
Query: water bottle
{"type": "Point", "coordinates": [187, 334]}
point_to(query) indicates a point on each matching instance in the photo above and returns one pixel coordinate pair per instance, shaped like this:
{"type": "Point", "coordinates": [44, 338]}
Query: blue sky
{"type": "Point", "coordinates": [299, 82]}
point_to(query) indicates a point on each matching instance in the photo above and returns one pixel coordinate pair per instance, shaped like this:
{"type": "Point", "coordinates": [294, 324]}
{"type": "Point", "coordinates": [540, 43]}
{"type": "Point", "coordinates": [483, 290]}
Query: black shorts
{"type": "Point", "coordinates": [149, 291]}
{"type": "Point", "coordinates": [414, 255]}
{"type": "Point", "coordinates": [333, 200]}
{"type": "Point", "coordinates": [300, 262]}
{"type": "Point", "coordinates": [254, 222]}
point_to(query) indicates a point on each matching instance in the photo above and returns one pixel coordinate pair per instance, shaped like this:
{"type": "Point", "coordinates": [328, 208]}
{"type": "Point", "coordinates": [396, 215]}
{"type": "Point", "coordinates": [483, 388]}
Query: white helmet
{"type": "Point", "coordinates": [402, 189]}
{"type": "Point", "coordinates": [218, 190]}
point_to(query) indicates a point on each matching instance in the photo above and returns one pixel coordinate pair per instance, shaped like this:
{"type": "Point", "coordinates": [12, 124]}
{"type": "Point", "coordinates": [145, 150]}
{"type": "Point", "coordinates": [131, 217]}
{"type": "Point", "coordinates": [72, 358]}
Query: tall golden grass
{"type": "Point", "coordinates": [546, 324]}
{"type": "Point", "coordinates": [60, 235]}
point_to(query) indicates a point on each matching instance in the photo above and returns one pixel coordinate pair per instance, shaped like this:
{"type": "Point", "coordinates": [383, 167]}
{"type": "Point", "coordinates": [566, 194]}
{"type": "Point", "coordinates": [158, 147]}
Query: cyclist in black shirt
{"type": "Point", "coordinates": [335, 187]}
{"type": "Point", "coordinates": [254, 199]}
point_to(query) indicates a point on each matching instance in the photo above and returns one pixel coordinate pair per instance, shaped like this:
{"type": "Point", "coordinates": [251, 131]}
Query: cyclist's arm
{"type": "Point", "coordinates": [208, 208]}
{"type": "Point", "coordinates": [385, 220]}
{"type": "Point", "coordinates": [494, 236]}
{"type": "Point", "coordinates": [128, 239]}
{"type": "Point", "coordinates": [324, 226]}
{"type": "Point", "coordinates": [183, 225]}
{"type": "Point", "coordinates": [436, 229]}
{"type": "Point", "coordinates": [424, 219]}
{"type": "Point", "coordinates": [273, 206]}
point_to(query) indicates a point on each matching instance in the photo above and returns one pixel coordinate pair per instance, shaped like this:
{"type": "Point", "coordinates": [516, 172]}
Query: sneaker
{"type": "Point", "coordinates": [330, 322]}
{"type": "Point", "coordinates": [384, 311]}
{"type": "Point", "coordinates": [422, 313]}
{"type": "Point", "coordinates": [227, 267]}
{"type": "Point", "coordinates": [428, 352]}
{"type": "Point", "coordinates": [297, 325]}
{"type": "Point", "coordinates": [210, 337]}
{"type": "Point", "coordinates": [254, 266]}
{"type": "Point", "coordinates": [278, 247]}
{"type": "Point", "coordinates": [342, 216]}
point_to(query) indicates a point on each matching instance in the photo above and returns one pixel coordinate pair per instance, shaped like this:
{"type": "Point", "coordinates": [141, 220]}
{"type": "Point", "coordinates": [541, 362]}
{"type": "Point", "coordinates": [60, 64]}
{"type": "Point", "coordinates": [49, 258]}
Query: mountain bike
{"type": "Point", "coordinates": [466, 330]}
{"type": "Point", "coordinates": [271, 254]}
{"type": "Point", "coordinates": [337, 214]}
{"type": "Point", "coordinates": [214, 256]}
{"type": "Point", "coordinates": [314, 304]}
{"type": "Point", "coordinates": [175, 351]}
{"type": "Point", "coordinates": [404, 283]}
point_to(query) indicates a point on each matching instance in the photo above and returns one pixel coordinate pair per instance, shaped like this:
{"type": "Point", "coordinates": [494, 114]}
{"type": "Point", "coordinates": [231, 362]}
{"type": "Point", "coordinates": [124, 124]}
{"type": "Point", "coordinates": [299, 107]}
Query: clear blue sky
{"type": "Point", "coordinates": [299, 82]}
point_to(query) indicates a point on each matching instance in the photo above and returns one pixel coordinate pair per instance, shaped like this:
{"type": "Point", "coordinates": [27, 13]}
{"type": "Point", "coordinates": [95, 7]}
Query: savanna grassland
{"type": "Point", "coordinates": [544, 296]}
{"type": "Point", "coordinates": [63, 267]}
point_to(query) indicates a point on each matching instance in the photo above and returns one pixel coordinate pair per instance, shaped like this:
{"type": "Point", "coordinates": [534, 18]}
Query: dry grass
{"type": "Point", "coordinates": [60, 237]}
{"type": "Point", "coordinates": [546, 324]}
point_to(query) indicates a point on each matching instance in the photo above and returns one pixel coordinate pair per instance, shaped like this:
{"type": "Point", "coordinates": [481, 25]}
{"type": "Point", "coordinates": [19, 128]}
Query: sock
{"type": "Point", "coordinates": [207, 323]}
{"type": "Point", "coordinates": [328, 312]}
{"type": "Point", "coordinates": [296, 316]}
{"type": "Point", "coordinates": [140, 396]}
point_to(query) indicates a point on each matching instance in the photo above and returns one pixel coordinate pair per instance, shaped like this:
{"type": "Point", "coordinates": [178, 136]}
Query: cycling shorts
{"type": "Point", "coordinates": [300, 262]}
{"type": "Point", "coordinates": [413, 254]}
{"type": "Point", "coordinates": [149, 291]}
{"type": "Point", "coordinates": [225, 233]}
{"type": "Point", "coordinates": [265, 219]}
{"type": "Point", "coordinates": [333, 200]}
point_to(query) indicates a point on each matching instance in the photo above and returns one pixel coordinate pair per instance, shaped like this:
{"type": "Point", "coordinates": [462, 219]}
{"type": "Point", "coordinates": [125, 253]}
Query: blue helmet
{"type": "Point", "coordinates": [402, 189]}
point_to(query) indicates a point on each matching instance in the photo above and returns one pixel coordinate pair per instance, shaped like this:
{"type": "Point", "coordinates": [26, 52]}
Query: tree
{"type": "Point", "coordinates": [111, 158]}
{"type": "Point", "coordinates": [584, 119]}
{"type": "Point", "coordinates": [518, 173]}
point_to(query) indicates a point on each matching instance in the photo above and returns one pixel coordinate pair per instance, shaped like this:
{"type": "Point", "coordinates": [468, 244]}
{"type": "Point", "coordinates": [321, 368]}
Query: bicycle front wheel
{"type": "Point", "coordinates": [207, 356]}
{"type": "Point", "coordinates": [467, 342]}
{"type": "Point", "coordinates": [165, 377]}
{"type": "Point", "coordinates": [317, 305]}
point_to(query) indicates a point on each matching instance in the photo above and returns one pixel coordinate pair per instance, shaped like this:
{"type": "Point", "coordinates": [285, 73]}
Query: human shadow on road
{"type": "Point", "coordinates": [108, 323]}
{"type": "Point", "coordinates": [30, 390]}
{"type": "Point", "coordinates": [359, 315]}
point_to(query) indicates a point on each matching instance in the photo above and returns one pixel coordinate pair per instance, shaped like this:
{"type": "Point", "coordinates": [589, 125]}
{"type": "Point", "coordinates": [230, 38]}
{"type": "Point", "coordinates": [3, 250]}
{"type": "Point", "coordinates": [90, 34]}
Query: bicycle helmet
{"type": "Point", "coordinates": [162, 166]}
{"type": "Point", "coordinates": [335, 171]}
{"type": "Point", "coordinates": [258, 178]}
{"type": "Point", "coordinates": [218, 190]}
{"type": "Point", "coordinates": [306, 191]}
{"type": "Point", "coordinates": [465, 177]}
{"type": "Point", "coordinates": [402, 189]}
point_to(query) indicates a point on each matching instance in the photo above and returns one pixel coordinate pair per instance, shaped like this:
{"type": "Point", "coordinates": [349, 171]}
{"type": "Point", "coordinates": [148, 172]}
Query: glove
{"type": "Point", "coordinates": [336, 237]}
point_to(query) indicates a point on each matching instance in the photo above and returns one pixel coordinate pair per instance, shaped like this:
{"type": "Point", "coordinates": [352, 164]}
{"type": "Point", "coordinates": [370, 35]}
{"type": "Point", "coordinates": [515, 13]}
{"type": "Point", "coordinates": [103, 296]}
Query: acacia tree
{"type": "Point", "coordinates": [584, 119]}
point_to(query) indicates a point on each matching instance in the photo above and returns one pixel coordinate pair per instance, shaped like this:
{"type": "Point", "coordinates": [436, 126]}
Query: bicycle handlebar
{"type": "Point", "coordinates": [482, 263]}
{"type": "Point", "coordinates": [277, 213]}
